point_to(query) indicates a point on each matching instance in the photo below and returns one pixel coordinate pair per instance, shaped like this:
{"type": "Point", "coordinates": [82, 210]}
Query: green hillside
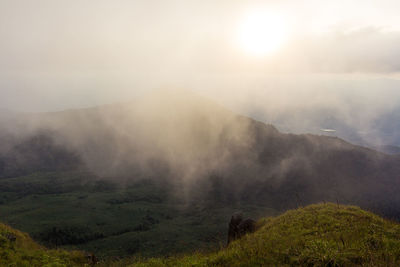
{"type": "Point", "coordinates": [162, 176]}
{"type": "Point", "coordinates": [18, 249]}
{"type": "Point", "coordinates": [71, 211]}
{"type": "Point", "coordinates": [317, 235]}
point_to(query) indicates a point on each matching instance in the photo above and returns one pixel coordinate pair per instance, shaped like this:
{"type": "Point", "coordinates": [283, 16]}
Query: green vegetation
{"type": "Point", "coordinates": [72, 210]}
{"type": "Point", "coordinates": [18, 249]}
{"type": "Point", "coordinates": [119, 181]}
{"type": "Point", "coordinates": [317, 235]}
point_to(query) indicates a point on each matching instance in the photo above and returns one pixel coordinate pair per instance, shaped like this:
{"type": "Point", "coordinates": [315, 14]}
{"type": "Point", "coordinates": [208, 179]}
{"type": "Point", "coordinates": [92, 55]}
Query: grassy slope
{"type": "Point", "coordinates": [18, 249]}
{"type": "Point", "coordinates": [111, 218]}
{"type": "Point", "coordinates": [317, 235]}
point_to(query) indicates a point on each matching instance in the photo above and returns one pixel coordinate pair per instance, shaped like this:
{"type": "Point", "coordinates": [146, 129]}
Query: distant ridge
{"type": "Point", "coordinates": [205, 152]}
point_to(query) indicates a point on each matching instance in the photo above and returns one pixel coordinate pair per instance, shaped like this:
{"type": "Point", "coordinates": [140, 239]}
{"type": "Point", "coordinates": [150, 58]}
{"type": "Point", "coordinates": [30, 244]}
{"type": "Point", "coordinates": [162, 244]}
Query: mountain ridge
{"type": "Point", "coordinates": [187, 138]}
{"type": "Point", "coordinates": [179, 163]}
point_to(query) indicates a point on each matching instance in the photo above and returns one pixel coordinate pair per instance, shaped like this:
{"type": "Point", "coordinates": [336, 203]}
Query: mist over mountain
{"type": "Point", "coordinates": [362, 112]}
{"type": "Point", "coordinates": [282, 104]}
{"type": "Point", "coordinates": [380, 133]}
{"type": "Point", "coordinates": [206, 153]}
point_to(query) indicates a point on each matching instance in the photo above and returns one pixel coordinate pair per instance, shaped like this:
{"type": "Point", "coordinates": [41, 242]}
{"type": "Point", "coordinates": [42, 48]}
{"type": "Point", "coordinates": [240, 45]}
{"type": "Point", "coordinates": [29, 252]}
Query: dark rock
{"type": "Point", "coordinates": [92, 259]}
{"type": "Point", "coordinates": [239, 227]}
{"type": "Point", "coordinates": [233, 232]}
{"type": "Point", "coordinates": [247, 226]}
{"type": "Point", "coordinates": [11, 237]}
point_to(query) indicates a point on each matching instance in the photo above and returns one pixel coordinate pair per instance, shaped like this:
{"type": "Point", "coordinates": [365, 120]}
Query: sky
{"type": "Point", "coordinates": [62, 54]}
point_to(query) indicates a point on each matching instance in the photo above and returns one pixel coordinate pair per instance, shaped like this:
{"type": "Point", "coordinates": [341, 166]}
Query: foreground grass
{"type": "Point", "coordinates": [317, 235]}
{"type": "Point", "coordinates": [114, 221]}
{"type": "Point", "coordinates": [18, 249]}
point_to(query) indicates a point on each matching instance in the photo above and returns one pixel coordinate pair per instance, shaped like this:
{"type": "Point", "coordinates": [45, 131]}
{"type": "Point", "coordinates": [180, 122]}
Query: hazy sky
{"type": "Point", "coordinates": [57, 54]}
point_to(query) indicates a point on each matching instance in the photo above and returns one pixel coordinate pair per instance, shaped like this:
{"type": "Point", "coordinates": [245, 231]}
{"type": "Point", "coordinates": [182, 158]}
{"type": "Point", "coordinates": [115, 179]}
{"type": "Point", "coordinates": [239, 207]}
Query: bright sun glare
{"type": "Point", "coordinates": [261, 33]}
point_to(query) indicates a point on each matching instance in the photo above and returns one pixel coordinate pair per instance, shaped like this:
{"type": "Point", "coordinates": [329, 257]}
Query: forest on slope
{"type": "Point", "coordinates": [111, 179]}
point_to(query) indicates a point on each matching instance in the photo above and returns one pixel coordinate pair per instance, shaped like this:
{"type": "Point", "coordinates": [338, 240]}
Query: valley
{"type": "Point", "coordinates": [119, 180]}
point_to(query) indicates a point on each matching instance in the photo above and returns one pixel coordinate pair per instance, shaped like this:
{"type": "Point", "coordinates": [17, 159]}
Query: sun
{"type": "Point", "coordinates": [262, 32]}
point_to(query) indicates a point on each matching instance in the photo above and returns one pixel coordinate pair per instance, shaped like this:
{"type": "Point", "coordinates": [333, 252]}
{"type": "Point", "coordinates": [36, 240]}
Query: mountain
{"type": "Point", "coordinates": [394, 150]}
{"type": "Point", "coordinates": [379, 131]}
{"type": "Point", "coordinates": [114, 179]}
